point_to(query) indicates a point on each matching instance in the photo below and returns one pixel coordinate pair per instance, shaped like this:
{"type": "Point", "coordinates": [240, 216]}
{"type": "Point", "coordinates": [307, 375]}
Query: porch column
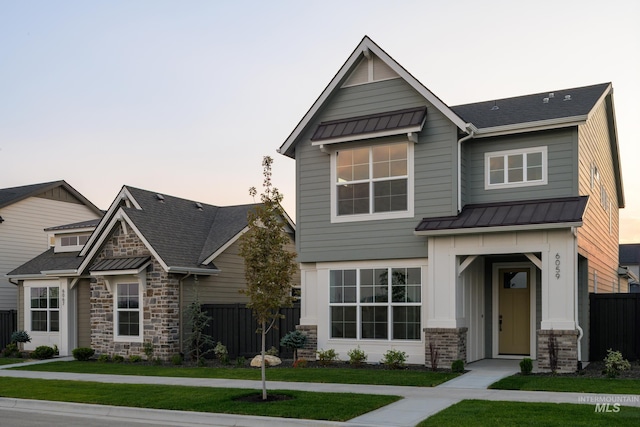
{"type": "Point", "coordinates": [67, 317]}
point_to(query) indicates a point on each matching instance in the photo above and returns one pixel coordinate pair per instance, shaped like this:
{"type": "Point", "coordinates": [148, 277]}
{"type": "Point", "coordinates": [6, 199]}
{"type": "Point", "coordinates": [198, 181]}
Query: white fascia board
{"type": "Point", "coordinates": [124, 194]}
{"type": "Point", "coordinates": [73, 230]}
{"type": "Point", "coordinates": [498, 229]}
{"type": "Point", "coordinates": [224, 247]}
{"type": "Point", "coordinates": [371, 135]}
{"type": "Point", "coordinates": [120, 216]}
{"type": "Point", "coordinates": [368, 44]}
{"type": "Point", "coordinates": [60, 272]}
{"type": "Point", "coordinates": [530, 127]}
{"type": "Point", "coordinates": [605, 93]}
{"type": "Point", "coordinates": [190, 270]}
{"type": "Point", "coordinates": [26, 277]}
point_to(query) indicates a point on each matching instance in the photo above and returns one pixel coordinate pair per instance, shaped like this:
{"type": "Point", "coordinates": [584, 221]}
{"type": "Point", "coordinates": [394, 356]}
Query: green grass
{"type": "Point", "coordinates": [489, 413]}
{"type": "Point", "coordinates": [309, 405]}
{"type": "Point", "coordinates": [311, 375]}
{"type": "Point", "coordinates": [569, 384]}
{"type": "Point", "coordinates": [10, 360]}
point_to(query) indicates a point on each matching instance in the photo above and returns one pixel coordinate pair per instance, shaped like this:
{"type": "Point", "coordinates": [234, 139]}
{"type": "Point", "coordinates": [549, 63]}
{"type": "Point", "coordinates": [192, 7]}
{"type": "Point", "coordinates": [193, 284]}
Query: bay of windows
{"type": "Point", "coordinates": [45, 309]}
{"type": "Point", "coordinates": [516, 167]}
{"type": "Point", "coordinates": [375, 303]}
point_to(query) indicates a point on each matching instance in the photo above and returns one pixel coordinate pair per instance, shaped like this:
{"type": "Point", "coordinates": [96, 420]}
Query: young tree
{"type": "Point", "coordinates": [198, 343]}
{"type": "Point", "coordinates": [269, 267]}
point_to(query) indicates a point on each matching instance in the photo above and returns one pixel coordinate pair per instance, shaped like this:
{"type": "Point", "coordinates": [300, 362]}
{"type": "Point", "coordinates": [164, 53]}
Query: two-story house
{"type": "Point", "coordinates": [475, 231]}
{"type": "Point", "coordinates": [126, 281]}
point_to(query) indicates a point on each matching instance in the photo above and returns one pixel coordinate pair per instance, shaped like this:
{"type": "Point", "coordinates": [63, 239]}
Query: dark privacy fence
{"type": "Point", "coordinates": [8, 325]}
{"type": "Point", "coordinates": [234, 326]}
{"type": "Point", "coordinates": [614, 324]}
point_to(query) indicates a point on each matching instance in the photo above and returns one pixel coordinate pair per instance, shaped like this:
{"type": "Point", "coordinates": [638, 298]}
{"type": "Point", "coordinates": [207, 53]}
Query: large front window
{"type": "Point", "coordinates": [376, 303]}
{"type": "Point", "coordinates": [128, 310]}
{"type": "Point", "coordinates": [372, 181]}
{"type": "Point", "coordinates": [45, 309]}
{"type": "Point", "coordinates": [516, 168]}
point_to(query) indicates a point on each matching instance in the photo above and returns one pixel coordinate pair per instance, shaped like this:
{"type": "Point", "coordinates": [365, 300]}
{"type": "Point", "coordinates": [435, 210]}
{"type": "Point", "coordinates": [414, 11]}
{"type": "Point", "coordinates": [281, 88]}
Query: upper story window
{"type": "Point", "coordinates": [516, 168]}
{"type": "Point", "coordinates": [74, 240]}
{"type": "Point", "coordinates": [372, 182]}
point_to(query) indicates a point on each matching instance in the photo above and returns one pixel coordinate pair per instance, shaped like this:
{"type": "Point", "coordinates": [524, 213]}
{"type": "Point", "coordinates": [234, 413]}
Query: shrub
{"type": "Point", "coordinates": [326, 357]}
{"type": "Point", "coordinates": [241, 361]}
{"type": "Point", "coordinates": [614, 363]}
{"type": "Point", "coordinates": [221, 353]}
{"type": "Point", "coordinates": [135, 358]}
{"type": "Point", "coordinates": [357, 356]}
{"type": "Point", "coordinates": [11, 350]}
{"type": "Point", "coordinates": [176, 359]}
{"type": "Point", "coordinates": [300, 363]}
{"type": "Point", "coordinates": [20, 337]}
{"type": "Point", "coordinates": [295, 340]}
{"type": "Point", "coordinates": [272, 351]}
{"type": "Point", "coordinates": [117, 358]}
{"type": "Point", "coordinates": [526, 366]}
{"type": "Point", "coordinates": [43, 352]}
{"type": "Point", "coordinates": [394, 359]}
{"type": "Point", "coordinates": [148, 349]}
{"type": "Point", "coordinates": [457, 366]}
{"type": "Point", "coordinates": [104, 358]}
{"type": "Point", "coordinates": [83, 353]}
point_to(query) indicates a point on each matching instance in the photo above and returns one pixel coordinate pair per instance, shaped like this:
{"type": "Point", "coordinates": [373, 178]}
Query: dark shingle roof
{"type": "Point", "coordinates": [531, 108]}
{"type": "Point", "coordinates": [550, 211]}
{"type": "Point", "coordinates": [630, 254]}
{"type": "Point", "coordinates": [75, 225]}
{"type": "Point", "coordinates": [9, 196]}
{"type": "Point", "coordinates": [372, 123]}
{"type": "Point", "coordinates": [48, 261]}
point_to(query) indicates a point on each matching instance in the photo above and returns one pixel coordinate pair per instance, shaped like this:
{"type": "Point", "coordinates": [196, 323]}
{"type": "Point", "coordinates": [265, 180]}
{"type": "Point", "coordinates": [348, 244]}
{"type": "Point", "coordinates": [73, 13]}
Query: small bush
{"type": "Point", "coordinates": [357, 356]}
{"type": "Point", "coordinates": [11, 350]}
{"type": "Point", "coordinates": [240, 361]}
{"type": "Point", "coordinates": [457, 366]}
{"type": "Point", "coordinates": [135, 358]}
{"type": "Point", "coordinates": [221, 352]}
{"type": "Point", "coordinates": [300, 363]}
{"type": "Point", "coordinates": [272, 352]}
{"type": "Point", "coordinates": [614, 363]}
{"type": "Point", "coordinates": [295, 340]}
{"type": "Point", "coordinates": [148, 349]}
{"type": "Point", "coordinates": [20, 337]}
{"type": "Point", "coordinates": [157, 361]}
{"type": "Point", "coordinates": [526, 366]}
{"type": "Point", "coordinates": [326, 357]}
{"type": "Point", "coordinates": [176, 359]}
{"type": "Point", "coordinates": [55, 350]}
{"type": "Point", "coordinates": [104, 358]}
{"type": "Point", "coordinates": [118, 358]}
{"type": "Point", "coordinates": [394, 359]}
{"type": "Point", "coordinates": [83, 353]}
{"type": "Point", "coordinates": [43, 352]}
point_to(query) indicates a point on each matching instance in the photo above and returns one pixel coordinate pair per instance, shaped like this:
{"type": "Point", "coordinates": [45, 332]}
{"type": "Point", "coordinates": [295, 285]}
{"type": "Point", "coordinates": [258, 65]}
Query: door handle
{"type": "Point", "coordinates": [500, 322]}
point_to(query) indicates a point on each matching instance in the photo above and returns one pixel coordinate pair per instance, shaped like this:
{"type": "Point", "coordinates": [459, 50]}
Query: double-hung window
{"type": "Point", "coordinates": [516, 168]}
{"type": "Point", "coordinates": [45, 309]}
{"type": "Point", "coordinates": [127, 324]}
{"type": "Point", "coordinates": [376, 303]}
{"type": "Point", "coordinates": [372, 182]}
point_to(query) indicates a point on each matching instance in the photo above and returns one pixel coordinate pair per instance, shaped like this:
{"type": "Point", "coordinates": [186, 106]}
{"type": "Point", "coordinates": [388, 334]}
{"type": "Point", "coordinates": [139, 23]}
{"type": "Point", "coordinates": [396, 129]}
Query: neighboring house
{"type": "Point", "coordinates": [630, 261]}
{"type": "Point", "coordinates": [25, 213]}
{"type": "Point", "coordinates": [130, 281]}
{"type": "Point", "coordinates": [476, 231]}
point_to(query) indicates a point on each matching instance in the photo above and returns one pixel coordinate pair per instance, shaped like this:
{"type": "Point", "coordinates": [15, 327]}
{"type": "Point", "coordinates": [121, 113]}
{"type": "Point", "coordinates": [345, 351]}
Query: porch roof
{"type": "Point", "coordinates": [519, 215]}
{"type": "Point", "coordinates": [117, 264]}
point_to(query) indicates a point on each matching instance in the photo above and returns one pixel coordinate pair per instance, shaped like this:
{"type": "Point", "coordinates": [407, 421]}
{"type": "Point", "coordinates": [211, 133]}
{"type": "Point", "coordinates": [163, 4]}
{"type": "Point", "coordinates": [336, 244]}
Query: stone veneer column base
{"type": "Point", "coordinates": [311, 346]}
{"type": "Point", "coordinates": [566, 344]}
{"type": "Point", "coordinates": [450, 343]}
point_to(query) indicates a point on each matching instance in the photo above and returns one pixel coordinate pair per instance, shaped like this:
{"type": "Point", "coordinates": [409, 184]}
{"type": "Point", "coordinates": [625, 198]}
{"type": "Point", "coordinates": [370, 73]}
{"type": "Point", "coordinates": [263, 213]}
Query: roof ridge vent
{"type": "Point", "coordinates": [160, 197]}
{"type": "Point", "coordinates": [567, 98]}
{"type": "Point", "coordinates": [495, 106]}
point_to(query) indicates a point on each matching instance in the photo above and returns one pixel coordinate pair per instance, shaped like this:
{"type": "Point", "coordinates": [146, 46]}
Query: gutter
{"type": "Point", "coordinates": [574, 231]}
{"type": "Point", "coordinates": [460, 141]}
{"type": "Point", "coordinates": [188, 271]}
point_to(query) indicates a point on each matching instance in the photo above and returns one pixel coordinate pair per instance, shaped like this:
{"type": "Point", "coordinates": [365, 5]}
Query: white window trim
{"type": "Point", "coordinates": [71, 248]}
{"type": "Point", "coordinates": [335, 218]}
{"type": "Point", "coordinates": [505, 153]}
{"type": "Point", "coordinates": [140, 280]}
{"type": "Point", "coordinates": [389, 304]}
{"type": "Point", "coordinates": [27, 307]}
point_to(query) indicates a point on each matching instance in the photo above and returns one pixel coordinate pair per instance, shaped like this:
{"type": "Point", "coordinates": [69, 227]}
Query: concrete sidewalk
{"type": "Point", "coordinates": [418, 403]}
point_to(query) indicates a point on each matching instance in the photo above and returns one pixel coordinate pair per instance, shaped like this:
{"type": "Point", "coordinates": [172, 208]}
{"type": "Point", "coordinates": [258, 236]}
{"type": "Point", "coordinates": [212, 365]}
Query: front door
{"type": "Point", "coordinates": [514, 316]}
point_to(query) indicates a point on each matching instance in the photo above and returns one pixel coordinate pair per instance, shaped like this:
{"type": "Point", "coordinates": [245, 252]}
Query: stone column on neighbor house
{"type": "Point", "coordinates": [564, 343]}
{"type": "Point", "coordinates": [449, 344]}
{"type": "Point", "coordinates": [311, 346]}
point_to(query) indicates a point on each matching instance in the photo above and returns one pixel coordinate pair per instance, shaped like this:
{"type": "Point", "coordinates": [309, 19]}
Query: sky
{"type": "Point", "coordinates": [186, 97]}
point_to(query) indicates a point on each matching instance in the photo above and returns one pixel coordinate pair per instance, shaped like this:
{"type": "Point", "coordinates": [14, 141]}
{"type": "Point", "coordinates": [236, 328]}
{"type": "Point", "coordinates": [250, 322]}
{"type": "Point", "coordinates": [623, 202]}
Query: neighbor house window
{"type": "Point", "coordinates": [376, 303]}
{"type": "Point", "coordinates": [372, 182]}
{"type": "Point", "coordinates": [74, 240]}
{"type": "Point", "coordinates": [45, 309]}
{"type": "Point", "coordinates": [515, 168]}
{"type": "Point", "coordinates": [128, 310]}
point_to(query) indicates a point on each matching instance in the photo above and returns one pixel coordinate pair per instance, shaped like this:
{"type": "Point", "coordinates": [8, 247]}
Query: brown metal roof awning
{"type": "Point", "coordinates": [119, 264]}
{"type": "Point", "coordinates": [493, 217]}
{"type": "Point", "coordinates": [390, 123]}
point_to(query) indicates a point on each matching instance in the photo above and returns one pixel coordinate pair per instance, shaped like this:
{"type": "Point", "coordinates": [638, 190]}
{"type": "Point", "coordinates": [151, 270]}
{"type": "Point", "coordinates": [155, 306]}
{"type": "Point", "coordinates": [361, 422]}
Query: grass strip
{"type": "Point", "coordinates": [490, 413]}
{"type": "Point", "coordinates": [10, 360]}
{"type": "Point", "coordinates": [399, 377]}
{"type": "Point", "coordinates": [307, 405]}
{"type": "Point", "coordinates": [569, 384]}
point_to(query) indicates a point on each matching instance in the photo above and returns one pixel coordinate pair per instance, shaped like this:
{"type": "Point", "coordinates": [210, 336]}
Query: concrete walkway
{"type": "Point", "coordinates": [418, 403]}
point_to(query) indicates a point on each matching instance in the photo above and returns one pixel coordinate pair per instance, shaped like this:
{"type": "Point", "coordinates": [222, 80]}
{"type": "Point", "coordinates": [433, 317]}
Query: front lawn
{"type": "Point", "coordinates": [308, 405]}
{"type": "Point", "coordinates": [11, 360]}
{"type": "Point", "coordinates": [569, 384]}
{"type": "Point", "coordinates": [490, 413]}
{"type": "Point", "coordinates": [399, 377]}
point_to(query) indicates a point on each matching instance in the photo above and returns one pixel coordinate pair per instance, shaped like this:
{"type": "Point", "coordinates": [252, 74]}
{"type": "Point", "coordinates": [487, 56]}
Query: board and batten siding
{"type": "Point", "coordinates": [83, 312]}
{"type": "Point", "coordinates": [22, 235]}
{"type": "Point", "coordinates": [561, 166]}
{"type": "Point", "coordinates": [435, 163]}
{"type": "Point", "coordinates": [596, 241]}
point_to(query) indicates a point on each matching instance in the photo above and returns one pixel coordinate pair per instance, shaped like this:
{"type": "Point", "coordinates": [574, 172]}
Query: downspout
{"type": "Point", "coordinates": [460, 141]}
{"type": "Point", "coordinates": [181, 330]}
{"type": "Point", "coordinates": [574, 231]}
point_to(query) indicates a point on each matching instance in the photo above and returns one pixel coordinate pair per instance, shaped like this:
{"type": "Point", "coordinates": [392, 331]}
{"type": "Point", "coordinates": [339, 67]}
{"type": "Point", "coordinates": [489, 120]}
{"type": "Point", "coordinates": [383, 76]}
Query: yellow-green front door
{"type": "Point", "coordinates": [514, 315]}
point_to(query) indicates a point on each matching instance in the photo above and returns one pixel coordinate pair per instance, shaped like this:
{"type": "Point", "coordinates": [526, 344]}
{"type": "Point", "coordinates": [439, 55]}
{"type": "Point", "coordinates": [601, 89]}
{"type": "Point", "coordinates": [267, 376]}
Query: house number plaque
{"type": "Point", "coordinates": [557, 266]}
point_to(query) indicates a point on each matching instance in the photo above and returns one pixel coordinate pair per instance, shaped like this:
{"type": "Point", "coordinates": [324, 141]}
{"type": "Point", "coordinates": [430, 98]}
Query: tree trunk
{"type": "Point", "coordinates": [262, 367]}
